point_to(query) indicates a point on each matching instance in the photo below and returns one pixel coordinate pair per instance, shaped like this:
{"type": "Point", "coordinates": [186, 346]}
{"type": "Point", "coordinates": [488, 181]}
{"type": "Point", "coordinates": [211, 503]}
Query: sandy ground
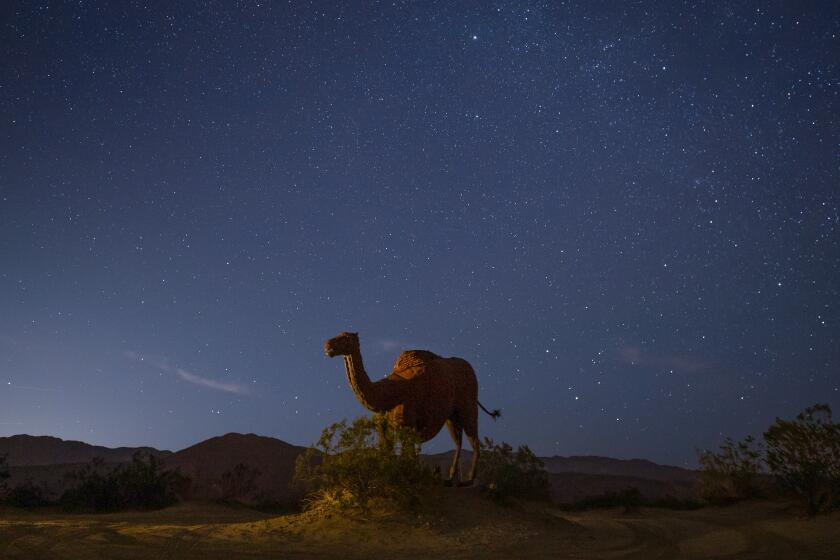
{"type": "Point", "coordinates": [462, 526]}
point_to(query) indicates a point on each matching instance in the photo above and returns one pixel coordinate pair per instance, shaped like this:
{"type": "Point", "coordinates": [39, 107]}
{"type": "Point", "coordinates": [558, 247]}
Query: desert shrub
{"type": "Point", "coordinates": [672, 502]}
{"type": "Point", "coordinates": [630, 499]}
{"type": "Point", "coordinates": [731, 474]}
{"type": "Point", "coordinates": [239, 482]}
{"type": "Point", "coordinates": [26, 495]}
{"type": "Point", "coordinates": [804, 455]}
{"type": "Point", "coordinates": [141, 484]}
{"type": "Point", "coordinates": [288, 505]}
{"type": "Point", "coordinates": [505, 473]}
{"type": "Point", "coordinates": [352, 466]}
{"type": "Point", "coordinates": [144, 485]}
{"type": "Point", "coordinates": [94, 489]}
{"type": "Point", "coordinates": [4, 472]}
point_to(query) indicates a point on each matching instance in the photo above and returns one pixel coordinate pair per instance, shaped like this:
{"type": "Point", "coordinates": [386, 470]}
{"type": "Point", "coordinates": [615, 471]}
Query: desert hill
{"type": "Point", "coordinates": [637, 468]}
{"type": "Point", "coordinates": [207, 462]}
{"type": "Point", "coordinates": [590, 464]}
{"type": "Point", "coordinates": [578, 477]}
{"type": "Point", "coordinates": [26, 451]}
{"type": "Point", "coordinates": [47, 460]}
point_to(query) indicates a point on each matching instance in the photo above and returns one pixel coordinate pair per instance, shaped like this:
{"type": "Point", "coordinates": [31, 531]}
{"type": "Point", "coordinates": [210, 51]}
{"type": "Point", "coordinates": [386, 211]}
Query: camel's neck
{"type": "Point", "coordinates": [361, 384]}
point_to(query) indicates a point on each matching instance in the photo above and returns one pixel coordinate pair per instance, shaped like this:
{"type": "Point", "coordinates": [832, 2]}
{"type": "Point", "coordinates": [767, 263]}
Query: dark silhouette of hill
{"type": "Point", "coordinates": [48, 459]}
{"type": "Point", "coordinates": [578, 477]}
{"type": "Point", "coordinates": [206, 463]}
{"type": "Point", "coordinates": [594, 465]}
{"type": "Point", "coordinates": [25, 450]}
{"type": "Point", "coordinates": [638, 468]}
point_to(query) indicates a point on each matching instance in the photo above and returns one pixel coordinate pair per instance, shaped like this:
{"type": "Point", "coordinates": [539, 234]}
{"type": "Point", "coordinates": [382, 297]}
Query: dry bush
{"type": "Point", "coordinates": [730, 475]}
{"type": "Point", "coordinates": [630, 499]}
{"type": "Point", "coordinates": [355, 465]}
{"type": "Point", "coordinates": [239, 483]}
{"type": "Point", "coordinates": [26, 495]}
{"type": "Point", "coordinates": [4, 472]}
{"type": "Point", "coordinates": [506, 474]}
{"type": "Point", "coordinates": [141, 484]}
{"type": "Point", "coordinates": [804, 456]}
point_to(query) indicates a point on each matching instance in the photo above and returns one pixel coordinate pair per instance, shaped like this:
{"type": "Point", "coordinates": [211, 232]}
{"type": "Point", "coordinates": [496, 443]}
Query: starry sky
{"type": "Point", "coordinates": [625, 216]}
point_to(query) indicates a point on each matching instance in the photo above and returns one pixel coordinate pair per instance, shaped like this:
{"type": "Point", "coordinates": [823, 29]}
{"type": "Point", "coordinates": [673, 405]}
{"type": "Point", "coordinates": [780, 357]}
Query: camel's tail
{"type": "Point", "coordinates": [495, 414]}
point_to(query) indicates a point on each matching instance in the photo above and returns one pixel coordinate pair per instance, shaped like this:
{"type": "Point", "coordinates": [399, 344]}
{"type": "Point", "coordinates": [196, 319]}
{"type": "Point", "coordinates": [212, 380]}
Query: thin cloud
{"type": "Point", "coordinates": [34, 388]}
{"type": "Point", "coordinates": [389, 345]}
{"type": "Point", "coordinates": [634, 355]}
{"type": "Point", "coordinates": [188, 376]}
{"type": "Point", "coordinates": [211, 383]}
{"type": "Point", "coordinates": [383, 345]}
{"type": "Point", "coordinates": [154, 361]}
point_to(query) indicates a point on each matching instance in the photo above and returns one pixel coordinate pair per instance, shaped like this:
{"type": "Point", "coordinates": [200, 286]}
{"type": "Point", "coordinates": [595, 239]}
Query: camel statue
{"type": "Point", "coordinates": [423, 392]}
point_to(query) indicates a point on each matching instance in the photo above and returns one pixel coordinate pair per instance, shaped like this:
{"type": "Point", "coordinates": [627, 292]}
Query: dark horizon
{"type": "Point", "coordinates": [626, 219]}
{"type": "Point", "coordinates": [465, 453]}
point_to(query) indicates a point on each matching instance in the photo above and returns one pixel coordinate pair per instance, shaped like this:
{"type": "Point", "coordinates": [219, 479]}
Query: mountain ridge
{"type": "Point", "coordinates": [270, 464]}
{"type": "Point", "coordinates": [10, 445]}
{"type": "Point", "coordinates": [27, 450]}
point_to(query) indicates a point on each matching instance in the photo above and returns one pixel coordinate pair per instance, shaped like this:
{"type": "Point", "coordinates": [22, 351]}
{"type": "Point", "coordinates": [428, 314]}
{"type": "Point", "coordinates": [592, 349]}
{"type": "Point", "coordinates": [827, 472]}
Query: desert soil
{"type": "Point", "coordinates": [464, 526]}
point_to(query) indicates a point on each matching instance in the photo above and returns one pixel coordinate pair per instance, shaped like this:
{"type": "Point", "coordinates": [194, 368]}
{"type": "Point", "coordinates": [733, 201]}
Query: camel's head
{"type": "Point", "coordinates": [342, 345]}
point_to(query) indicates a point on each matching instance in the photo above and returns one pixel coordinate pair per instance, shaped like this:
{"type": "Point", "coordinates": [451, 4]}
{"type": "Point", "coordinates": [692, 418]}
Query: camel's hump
{"type": "Point", "coordinates": [411, 358]}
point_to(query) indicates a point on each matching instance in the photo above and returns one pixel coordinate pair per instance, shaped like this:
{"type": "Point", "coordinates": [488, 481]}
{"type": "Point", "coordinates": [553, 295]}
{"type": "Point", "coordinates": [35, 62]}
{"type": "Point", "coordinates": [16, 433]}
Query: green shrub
{"type": "Point", "coordinates": [730, 475]}
{"type": "Point", "coordinates": [804, 456]}
{"type": "Point", "coordinates": [354, 465]}
{"type": "Point", "coordinates": [140, 484]}
{"type": "Point", "coordinates": [505, 474]}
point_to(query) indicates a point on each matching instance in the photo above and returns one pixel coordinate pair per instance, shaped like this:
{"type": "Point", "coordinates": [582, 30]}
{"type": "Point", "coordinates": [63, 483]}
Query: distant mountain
{"type": "Point", "coordinates": [592, 465]}
{"type": "Point", "coordinates": [567, 487]}
{"type": "Point", "coordinates": [271, 462]}
{"type": "Point", "coordinates": [25, 450]}
{"type": "Point", "coordinates": [207, 462]}
{"type": "Point", "coordinates": [636, 468]}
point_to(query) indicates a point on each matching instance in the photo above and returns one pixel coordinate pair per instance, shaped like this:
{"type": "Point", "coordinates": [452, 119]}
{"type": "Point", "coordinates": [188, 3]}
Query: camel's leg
{"type": "Point", "coordinates": [476, 449]}
{"type": "Point", "coordinates": [457, 433]}
{"type": "Point", "coordinates": [471, 429]}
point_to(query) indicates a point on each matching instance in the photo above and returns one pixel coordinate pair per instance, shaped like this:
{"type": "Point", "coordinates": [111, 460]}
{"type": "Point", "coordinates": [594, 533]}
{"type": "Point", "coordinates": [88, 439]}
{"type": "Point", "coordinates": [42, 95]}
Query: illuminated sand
{"type": "Point", "coordinates": [465, 526]}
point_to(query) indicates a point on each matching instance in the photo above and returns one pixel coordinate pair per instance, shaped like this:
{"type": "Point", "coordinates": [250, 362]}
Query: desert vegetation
{"type": "Point", "coordinates": [506, 474]}
{"type": "Point", "coordinates": [356, 465]}
{"type": "Point", "coordinates": [801, 455]}
{"type": "Point", "coordinates": [352, 466]}
{"type": "Point", "coordinates": [239, 482]}
{"type": "Point", "coordinates": [731, 473]}
{"type": "Point", "coordinates": [804, 456]}
{"type": "Point", "coordinates": [24, 495]}
{"type": "Point", "coordinates": [4, 472]}
{"type": "Point", "coordinates": [141, 484]}
{"type": "Point", "coordinates": [368, 492]}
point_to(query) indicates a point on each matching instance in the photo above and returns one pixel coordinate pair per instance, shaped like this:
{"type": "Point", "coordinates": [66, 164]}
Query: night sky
{"type": "Point", "coordinates": [625, 216]}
